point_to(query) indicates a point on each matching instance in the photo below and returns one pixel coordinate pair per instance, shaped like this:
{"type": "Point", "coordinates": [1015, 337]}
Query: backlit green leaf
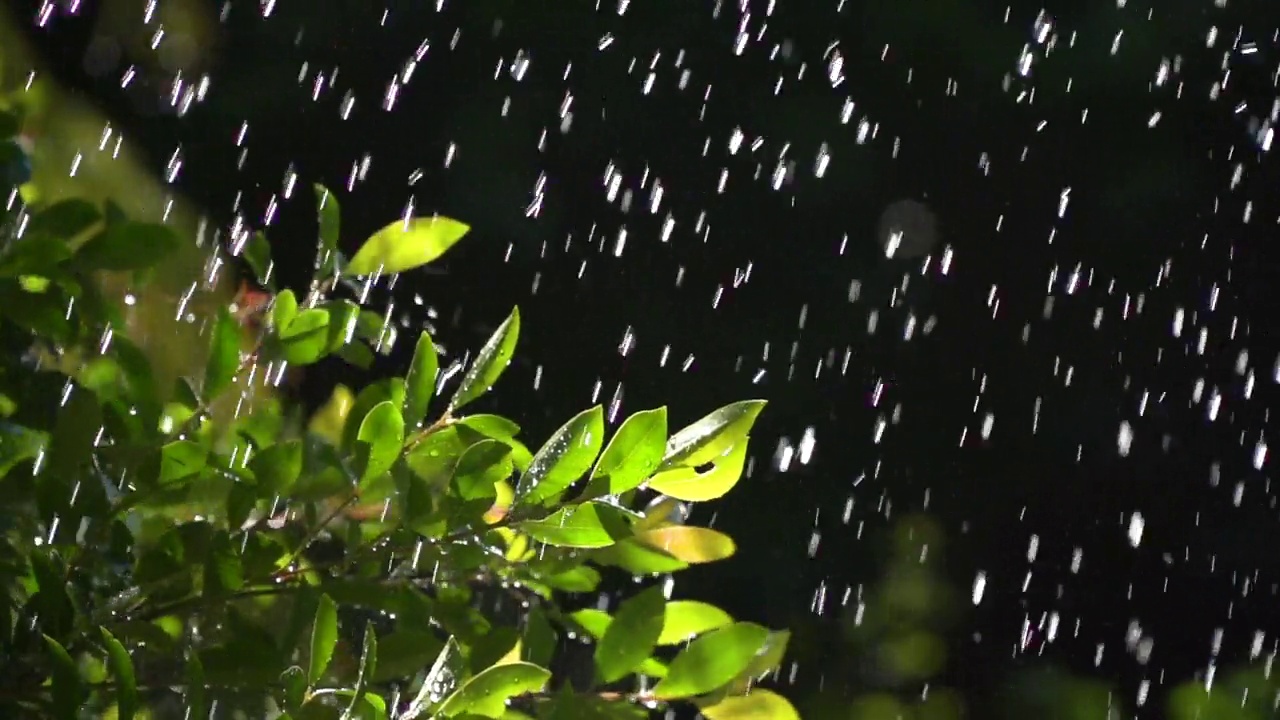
{"type": "Point", "coordinates": [329, 217]}
{"type": "Point", "coordinates": [711, 661]}
{"type": "Point", "coordinates": [489, 364]}
{"type": "Point", "coordinates": [324, 637]}
{"type": "Point", "coordinates": [685, 619]}
{"type": "Point", "coordinates": [703, 483]}
{"type": "Point", "coordinates": [405, 245]}
{"type": "Point", "coordinates": [277, 467]}
{"type": "Point", "coordinates": [563, 459]}
{"type": "Point", "coordinates": [224, 354]}
{"type": "Point", "coordinates": [420, 383]}
{"type": "Point", "coordinates": [284, 309]}
{"type": "Point", "coordinates": [591, 525]}
{"type": "Point", "coordinates": [306, 338]}
{"type": "Point", "coordinates": [182, 460]}
{"type": "Point", "coordinates": [759, 704]}
{"type": "Point", "coordinates": [487, 693]}
{"type": "Point", "coordinates": [631, 636]}
{"type": "Point", "coordinates": [380, 438]}
{"type": "Point", "coordinates": [689, 544]}
{"type": "Point", "coordinates": [713, 435]}
{"type": "Point", "coordinates": [633, 453]}
{"type": "Point", "coordinates": [126, 682]}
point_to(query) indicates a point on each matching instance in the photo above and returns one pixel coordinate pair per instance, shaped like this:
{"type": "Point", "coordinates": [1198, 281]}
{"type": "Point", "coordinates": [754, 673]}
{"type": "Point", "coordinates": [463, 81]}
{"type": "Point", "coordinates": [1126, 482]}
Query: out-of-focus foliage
{"type": "Point", "coordinates": [394, 555]}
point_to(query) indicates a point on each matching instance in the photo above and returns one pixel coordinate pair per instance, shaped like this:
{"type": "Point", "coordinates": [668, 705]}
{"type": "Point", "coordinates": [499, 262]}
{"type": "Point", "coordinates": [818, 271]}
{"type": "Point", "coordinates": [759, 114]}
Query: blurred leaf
{"type": "Point", "coordinates": [579, 579]}
{"type": "Point", "coordinates": [405, 245]}
{"type": "Point", "coordinates": [389, 390]}
{"type": "Point", "coordinates": [257, 253]}
{"type": "Point", "coordinates": [277, 467]}
{"type": "Point", "coordinates": [194, 697]}
{"type": "Point", "coordinates": [487, 693]}
{"type": "Point", "coordinates": [633, 453]}
{"type": "Point", "coordinates": [538, 640]}
{"type": "Point", "coordinates": [711, 661]}
{"type": "Point", "coordinates": [128, 246]}
{"type": "Point", "coordinates": [181, 460]}
{"type": "Point", "coordinates": [420, 383]}
{"type": "Point", "coordinates": [329, 220]}
{"type": "Point", "coordinates": [769, 658]}
{"type": "Point", "coordinates": [638, 558]}
{"type": "Point", "coordinates": [565, 457]}
{"type": "Point", "coordinates": [381, 436]}
{"type": "Point", "coordinates": [68, 689]}
{"type": "Point", "coordinates": [629, 639]}
{"type": "Point", "coordinates": [343, 316]}
{"type": "Point", "coordinates": [479, 469]}
{"type": "Point", "coordinates": [594, 622]}
{"type": "Point", "coordinates": [687, 483]}
{"type": "Point", "coordinates": [441, 680]}
{"type": "Point", "coordinates": [489, 364]}
{"type": "Point", "coordinates": [329, 420]}
{"type": "Point", "coordinates": [404, 653]}
{"type": "Point", "coordinates": [368, 667]}
{"type": "Point", "coordinates": [591, 525]}
{"type": "Point", "coordinates": [284, 308]}
{"type": "Point", "coordinates": [495, 646]}
{"type": "Point", "coordinates": [126, 683]}
{"type": "Point", "coordinates": [224, 355]}
{"type": "Point", "coordinates": [306, 338]}
{"type": "Point", "coordinates": [689, 544]}
{"type": "Point", "coordinates": [759, 704]}
{"type": "Point", "coordinates": [324, 637]}
{"type": "Point", "coordinates": [685, 619]}
{"type": "Point", "coordinates": [65, 219]}
{"type": "Point", "coordinates": [713, 435]}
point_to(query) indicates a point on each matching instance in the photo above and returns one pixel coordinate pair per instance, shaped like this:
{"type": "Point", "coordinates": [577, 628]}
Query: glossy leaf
{"type": "Point", "coordinates": [565, 457]}
{"type": "Point", "coordinates": [630, 638]}
{"type": "Point", "coordinates": [487, 693]}
{"type": "Point", "coordinates": [591, 525]}
{"type": "Point", "coordinates": [284, 309]}
{"type": "Point", "coordinates": [441, 680]}
{"type": "Point", "coordinates": [420, 383]}
{"type": "Point", "coordinates": [713, 435]}
{"type": "Point", "coordinates": [711, 661]}
{"type": "Point", "coordinates": [405, 245]}
{"type": "Point", "coordinates": [306, 338]}
{"type": "Point", "coordinates": [277, 467]}
{"type": "Point", "coordinates": [127, 246]}
{"type": "Point", "coordinates": [324, 637]}
{"type": "Point", "coordinates": [389, 390]}
{"type": "Point", "coordinates": [489, 364]}
{"type": "Point", "coordinates": [368, 667]}
{"type": "Point", "coordinates": [759, 704]}
{"type": "Point", "coordinates": [380, 438]}
{"type": "Point", "coordinates": [121, 664]}
{"type": "Point", "coordinates": [182, 460]}
{"type": "Point", "coordinates": [224, 355]}
{"type": "Point", "coordinates": [698, 484]}
{"type": "Point", "coordinates": [631, 456]}
{"type": "Point", "coordinates": [685, 619]}
{"type": "Point", "coordinates": [689, 544]}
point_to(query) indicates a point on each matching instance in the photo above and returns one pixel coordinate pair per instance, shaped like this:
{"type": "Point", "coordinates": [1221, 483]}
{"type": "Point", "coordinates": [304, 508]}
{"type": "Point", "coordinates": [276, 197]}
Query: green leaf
{"type": "Point", "coordinates": [324, 637]}
{"type": "Point", "coordinates": [713, 435]}
{"type": "Point", "coordinates": [284, 309]}
{"type": "Point", "coordinates": [711, 661]}
{"type": "Point", "coordinates": [579, 579]}
{"type": "Point", "coordinates": [633, 453]}
{"type": "Point", "coordinates": [594, 622]}
{"type": "Point", "coordinates": [759, 704]}
{"type": "Point", "coordinates": [389, 390]}
{"type": "Point", "coordinates": [127, 246]}
{"type": "Point", "coordinates": [538, 639]}
{"type": "Point", "coordinates": [685, 619]}
{"type": "Point", "coordinates": [343, 317]}
{"type": "Point", "coordinates": [306, 338]}
{"type": "Point", "coordinates": [489, 364]}
{"type": "Point", "coordinates": [441, 679]}
{"type": "Point", "coordinates": [631, 636]}
{"type": "Point", "coordinates": [126, 683]}
{"type": "Point", "coordinates": [592, 525]}
{"type": "Point", "coordinates": [380, 438]}
{"type": "Point", "coordinates": [404, 653]}
{"type": "Point", "coordinates": [405, 245]}
{"type": "Point", "coordinates": [65, 219]}
{"type": "Point", "coordinates": [487, 693]}
{"type": "Point", "coordinates": [492, 426]}
{"type": "Point", "coordinates": [479, 469]}
{"type": "Point", "coordinates": [181, 460]}
{"type": "Point", "coordinates": [421, 380]}
{"type": "Point", "coordinates": [638, 558]}
{"type": "Point", "coordinates": [257, 253]}
{"type": "Point", "coordinates": [768, 659]}
{"type": "Point", "coordinates": [194, 699]}
{"type": "Point", "coordinates": [368, 667]}
{"type": "Point", "coordinates": [687, 483]}
{"type": "Point", "coordinates": [68, 689]}
{"type": "Point", "coordinates": [329, 217]}
{"type": "Point", "coordinates": [693, 545]}
{"type": "Point", "coordinates": [224, 355]}
{"type": "Point", "coordinates": [563, 459]}
{"type": "Point", "coordinates": [276, 468]}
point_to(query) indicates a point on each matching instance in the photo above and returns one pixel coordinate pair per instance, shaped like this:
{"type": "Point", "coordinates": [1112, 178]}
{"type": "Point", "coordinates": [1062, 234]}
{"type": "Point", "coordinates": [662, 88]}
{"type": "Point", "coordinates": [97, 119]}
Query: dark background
{"type": "Point", "coordinates": [1155, 221]}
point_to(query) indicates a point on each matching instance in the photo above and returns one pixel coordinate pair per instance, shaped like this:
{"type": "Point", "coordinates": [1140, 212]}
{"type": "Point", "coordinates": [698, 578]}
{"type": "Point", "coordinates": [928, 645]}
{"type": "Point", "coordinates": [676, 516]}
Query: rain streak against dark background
{"type": "Point", "coordinates": [1069, 362]}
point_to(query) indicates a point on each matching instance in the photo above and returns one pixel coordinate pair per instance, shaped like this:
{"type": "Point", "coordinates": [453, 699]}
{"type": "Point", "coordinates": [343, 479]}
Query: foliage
{"type": "Point", "coordinates": [394, 556]}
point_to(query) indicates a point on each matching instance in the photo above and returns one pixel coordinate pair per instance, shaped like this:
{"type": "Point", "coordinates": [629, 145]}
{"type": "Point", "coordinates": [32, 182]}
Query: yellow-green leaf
{"type": "Point", "coordinates": [629, 638]}
{"type": "Point", "coordinates": [685, 619]}
{"type": "Point", "coordinates": [405, 245]}
{"type": "Point", "coordinates": [689, 544]}
{"type": "Point", "coordinates": [324, 637]}
{"type": "Point", "coordinates": [490, 362]}
{"type": "Point", "coordinates": [713, 435]}
{"type": "Point", "coordinates": [687, 483]}
{"type": "Point", "coordinates": [633, 453]}
{"type": "Point", "coordinates": [487, 693]}
{"type": "Point", "coordinates": [711, 661]}
{"type": "Point", "coordinates": [760, 704]}
{"type": "Point", "coordinates": [591, 525]}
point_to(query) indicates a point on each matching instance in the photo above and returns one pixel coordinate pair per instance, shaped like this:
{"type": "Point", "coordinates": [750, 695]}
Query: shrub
{"type": "Point", "coordinates": [200, 548]}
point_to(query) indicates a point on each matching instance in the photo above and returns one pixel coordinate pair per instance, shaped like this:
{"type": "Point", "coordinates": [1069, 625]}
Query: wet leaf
{"type": "Point", "coordinates": [389, 390]}
{"type": "Point", "coordinates": [711, 661]}
{"type": "Point", "coordinates": [479, 469]}
{"type": "Point", "coordinates": [306, 338]}
{"type": "Point", "coordinates": [324, 637]}
{"type": "Point", "coordinates": [126, 682]}
{"type": "Point", "coordinates": [380, 438]}
{"type": "Point", "coordinates": [630, 638]}
{"type": "Point", "coordinates": [343, 317]}
{"type": "Point", "coordinates": [638, 558]}
{"type": "Point", "coordinates": [277, 467]}
{"type": "Point", "coordinates": [127, 246]}
{"type": "Point", "coordinates": [565, 457]}
{"type": "Point", "coordinates": [713, 435]}
{"type": "Point", "coordinates": [489, 364]}
{"type": "Point", "coordinates": [404, 653]}
{"type": "Point", "coordinates": [633, 453]}
{"type": "Point", "coordinates": [685, 619]}
{"type": "Point", "coordinates": [698, 484]}
{"type": "Point", "coordinates": [284, 309]}
{"type": "Point", "coordinates": [329, 221]}
{"type": "Point", "coordinates": [487, 693]}
{"type": "Point", "coordinates": [182, 460]}
{"type": "Point", "coordinates": [441, 680]}
{"type": "Point", "coordinates": [224, 355]}
{"type": "Point", "coordinates": [403, 245]}
{"type": "Point", "coordinates": [759, 704]}
{"type": "Point", "coordinates": [591, 525]}
{"type": "Point", "coordinates": [368, 667]}
{"type": "Point", "coordinates": [420, 383]}
{"type": "Point", "coordinates": [689, 544]}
